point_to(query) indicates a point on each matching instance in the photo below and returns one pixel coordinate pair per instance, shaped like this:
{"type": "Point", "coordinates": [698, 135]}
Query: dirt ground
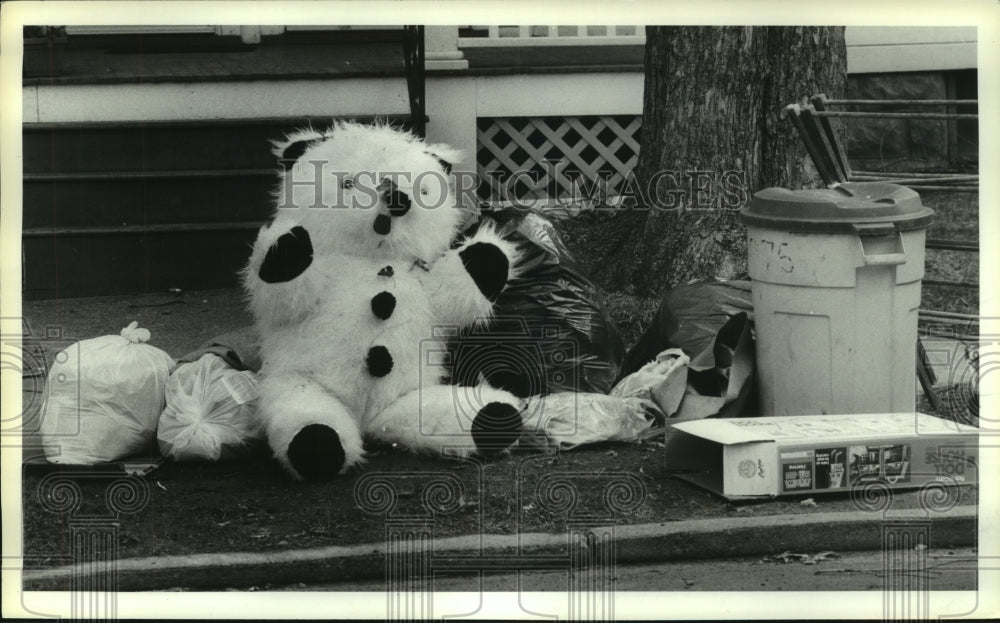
{"type": "Point", "coordinates": [250, 505]}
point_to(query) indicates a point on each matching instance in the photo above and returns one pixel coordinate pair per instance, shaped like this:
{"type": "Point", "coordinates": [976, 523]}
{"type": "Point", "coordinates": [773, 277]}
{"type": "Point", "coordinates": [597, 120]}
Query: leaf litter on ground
{"type": "Point", "coordinates": [805, 559]}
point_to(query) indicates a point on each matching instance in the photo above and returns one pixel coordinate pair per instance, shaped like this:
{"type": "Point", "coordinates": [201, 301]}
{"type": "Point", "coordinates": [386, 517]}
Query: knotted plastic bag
{"type": "Point", "coordinates": [662, 381]}
{"type": "Point", "coordinates": [210, 412]}
{"type": "Point", "coordinates": [103, 398]}
{"type": "Point", "coordinates": [570, 419]}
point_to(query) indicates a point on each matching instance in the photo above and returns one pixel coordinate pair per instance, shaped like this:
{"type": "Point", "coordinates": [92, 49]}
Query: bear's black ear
{"type": "Point", "coordinates": [445, 155]}
{"type": "Point", "coordinates": [295, 144]}
{"type": "Point", "coordinates": [294, 151]}
{"type": "Point", "coordinates": [446, 165]}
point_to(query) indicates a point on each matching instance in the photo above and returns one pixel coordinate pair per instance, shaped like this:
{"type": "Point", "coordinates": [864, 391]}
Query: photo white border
{"type": "Point", "coordinates": [628, 604]}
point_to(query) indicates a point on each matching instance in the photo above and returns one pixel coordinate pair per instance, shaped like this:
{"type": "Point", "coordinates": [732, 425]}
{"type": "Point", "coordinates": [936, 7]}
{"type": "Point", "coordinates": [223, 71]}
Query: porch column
{"type": "Point", "coordinates": [451, 110]}
{"type": "Point", "coordinates": [441, 49]}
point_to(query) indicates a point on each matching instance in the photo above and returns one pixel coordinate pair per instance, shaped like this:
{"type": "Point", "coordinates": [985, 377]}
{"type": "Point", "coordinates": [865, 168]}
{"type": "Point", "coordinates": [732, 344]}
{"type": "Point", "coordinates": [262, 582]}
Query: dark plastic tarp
{"type": "Point", "coordinates": [689, 318]}
{"type": "Point", "coordinates": [711, 321]}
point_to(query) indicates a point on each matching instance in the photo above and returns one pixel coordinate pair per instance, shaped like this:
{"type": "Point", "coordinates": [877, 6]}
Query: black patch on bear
{"type": "Point", "coordinates": [386, 272]}
{"type": "Point", "coordinates": [287, 258]}
{"type": "Point", "coordinates": [316, 453]}
{"type": "Point", "coordinates": [379, 361]}
{"type": "Point", "coordinates": [516, 382]}
{"type": "Point", "coordinates": [383, 224]}
{"type": "Point", "coordinates": [496, 427]}
{"type": "Point", "coordinates": [294, 151]}
{"type": "Point", "coordinates": [383, 305]}
{"type": "Point", "coordinates": [398, 202]}
{"type": "Point", "coordinates": [487, 265]}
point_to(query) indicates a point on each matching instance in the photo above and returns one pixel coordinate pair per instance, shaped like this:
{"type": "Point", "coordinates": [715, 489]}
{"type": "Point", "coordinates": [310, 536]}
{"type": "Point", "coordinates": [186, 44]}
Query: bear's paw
{"type": "Point", "coordinates": [288, 257]}
{"type": "Point", "coordinates": [488, 266]}
{"type": "Point", "coordinates": [316, 453]}
{"type": "Point", "coordinates": [495, 427]}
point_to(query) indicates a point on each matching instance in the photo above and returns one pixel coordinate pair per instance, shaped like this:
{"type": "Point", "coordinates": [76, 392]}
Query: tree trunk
{"type": "Point", "coordinates": [712, 135]}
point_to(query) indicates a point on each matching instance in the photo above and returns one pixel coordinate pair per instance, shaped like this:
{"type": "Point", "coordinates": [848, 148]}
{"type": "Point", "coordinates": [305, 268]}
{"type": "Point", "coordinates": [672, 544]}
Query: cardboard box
{"type": "Point", "coordinates": [742, 458]}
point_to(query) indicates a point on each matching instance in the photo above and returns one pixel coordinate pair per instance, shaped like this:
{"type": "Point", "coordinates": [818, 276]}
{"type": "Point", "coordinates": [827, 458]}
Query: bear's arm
{"type": "Point", "coordinates": [280, 281]}
{"type": "Point", "coordinates": [464, 283]}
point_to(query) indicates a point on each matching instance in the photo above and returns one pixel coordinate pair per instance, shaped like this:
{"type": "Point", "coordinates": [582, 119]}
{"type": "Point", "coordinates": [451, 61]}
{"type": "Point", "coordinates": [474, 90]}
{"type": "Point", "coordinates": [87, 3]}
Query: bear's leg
{"type": "Point", "coordinates": [450, 420]}
{"type": "Point", "coordinates": [311, 433]}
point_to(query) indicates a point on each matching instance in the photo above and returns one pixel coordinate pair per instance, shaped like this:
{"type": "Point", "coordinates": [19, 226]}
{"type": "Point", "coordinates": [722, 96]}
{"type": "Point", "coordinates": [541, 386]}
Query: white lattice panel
{"type": "Point", "coordinates": [588, 149]}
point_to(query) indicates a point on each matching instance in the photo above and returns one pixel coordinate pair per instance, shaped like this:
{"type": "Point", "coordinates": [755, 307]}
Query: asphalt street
{"type": "Point", "coordinates": [931, 569]}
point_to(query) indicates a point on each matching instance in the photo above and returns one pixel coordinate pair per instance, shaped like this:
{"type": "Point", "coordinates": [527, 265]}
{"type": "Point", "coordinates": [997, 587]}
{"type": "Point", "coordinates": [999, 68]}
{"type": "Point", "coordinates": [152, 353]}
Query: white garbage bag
{"type": "Point", "coordinates": [210, 412]}
{"type": "Point", "coordinates": [570, 419]}
{"type": "Point", "coordinates": [662, 380]}
{"type": "Point", "coordinates": [103, 397]}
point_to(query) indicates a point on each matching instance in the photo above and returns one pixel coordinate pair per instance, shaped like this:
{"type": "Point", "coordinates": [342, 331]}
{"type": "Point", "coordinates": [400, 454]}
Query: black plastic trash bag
{"type": "Point", "coordinates": [721, 378]}
{"type": "Point", "coordinates": [551, 332]}
{"type": "Point", "coordinates": [712, 323]}
{"type": "Point", "coordinates": [689, 318]}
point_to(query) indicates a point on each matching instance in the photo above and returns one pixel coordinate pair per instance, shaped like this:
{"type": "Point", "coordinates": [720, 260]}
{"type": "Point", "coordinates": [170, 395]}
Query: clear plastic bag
{"type": "Point", "coordinates": [210, 412]}
{"type": "Point", "coordinates": [103, 398]}
{"type": "Point", "coordinates": [570, 419]}
{"type": "Point", "coordinates": [663, 381]}
{"type": "Point", "coordinates": [719, 381]}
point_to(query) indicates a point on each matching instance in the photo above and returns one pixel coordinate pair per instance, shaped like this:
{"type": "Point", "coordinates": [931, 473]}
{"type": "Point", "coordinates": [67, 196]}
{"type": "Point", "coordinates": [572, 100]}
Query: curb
{"type": "Point", "coordinates": [679, 540]}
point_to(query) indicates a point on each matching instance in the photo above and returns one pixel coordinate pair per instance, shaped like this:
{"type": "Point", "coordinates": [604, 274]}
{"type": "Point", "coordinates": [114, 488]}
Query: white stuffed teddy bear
{"type": "Point", "coordinates": [344, 283]}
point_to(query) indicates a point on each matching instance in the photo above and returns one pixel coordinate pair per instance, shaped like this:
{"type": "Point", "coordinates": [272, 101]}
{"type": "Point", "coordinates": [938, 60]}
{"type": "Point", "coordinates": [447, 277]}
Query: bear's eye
{"type": "Point", "coordinates": [347, 183]}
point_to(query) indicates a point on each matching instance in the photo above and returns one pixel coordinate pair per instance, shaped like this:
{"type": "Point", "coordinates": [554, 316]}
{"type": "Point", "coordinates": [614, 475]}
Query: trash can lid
{"type": "Point", "coordinates": [838, 209]}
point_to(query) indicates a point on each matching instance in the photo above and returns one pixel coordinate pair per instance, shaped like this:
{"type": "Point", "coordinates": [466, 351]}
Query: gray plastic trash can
{"type": "Point", "coordinates": [836, 286]}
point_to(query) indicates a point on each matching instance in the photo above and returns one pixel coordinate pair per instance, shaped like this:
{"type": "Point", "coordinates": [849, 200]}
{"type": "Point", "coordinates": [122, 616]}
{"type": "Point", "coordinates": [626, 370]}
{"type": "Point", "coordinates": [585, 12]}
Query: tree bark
{"type": "Point", "coordinates": [712, 135]}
